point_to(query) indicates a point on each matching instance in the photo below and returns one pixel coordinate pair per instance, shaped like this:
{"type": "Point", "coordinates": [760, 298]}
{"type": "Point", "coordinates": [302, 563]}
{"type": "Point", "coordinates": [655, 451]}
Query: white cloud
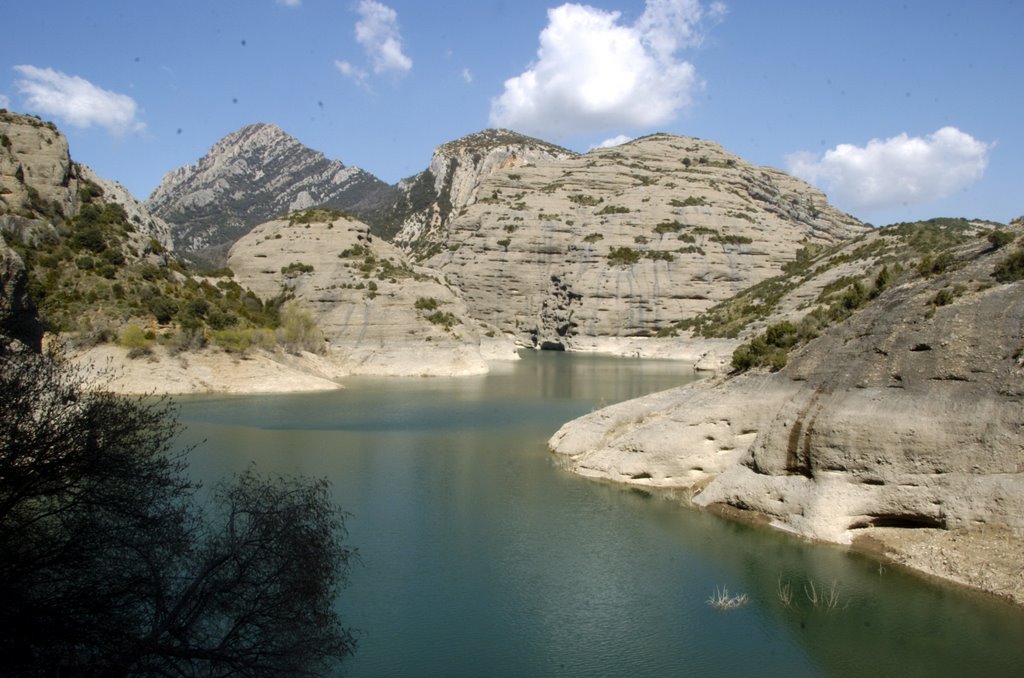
{"type": "Point", "coordinates": [614, 141]}
{"type": "Point", "coordinates": [351, 71]}
{"type": "Point", "coordinates": [76, 100]}
{"type": "Point", "coordinates": [593, 73]}
{"type": "Point", "coordinates": [289, 3]}
{"type": "Point", "coordinates": [467, 75]}
{"type": "Point", "coordinates": [377, 32]}
{"type": "Point", "coordinates": [5, 102]}
{"type": "Point", "coordinates": [895, 172]}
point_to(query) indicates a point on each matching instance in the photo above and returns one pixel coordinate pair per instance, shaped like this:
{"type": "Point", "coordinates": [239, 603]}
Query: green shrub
{"type": "Point", "coordinates": [586, 200]}
{"type": "Point", "coordinates": [731, 239]}
{"type": "Point", "coordinates": [669, 227]}
{"type": "Point", "coordinates": [1011, 268]}
{"type": "Point", "coordinates": [354, 252]}
{"type": "Point", "coordinates": [943, 297]}
{"type": "Point", "coordinates": [298, 331]}
{"type": "Point", "coordinates": [935, 264]}
{"type": "Point", "coordinates": [163, 309]}
{"type": "Point", "coordinates": [132, 337]}
{"type": "Point", "coordinates": [882, 282]}
{"type": "Point", "coordinates": [613, 209]}
{"type": "Point", "coordinates": [296, 268]}
{"type": "Point", "coordinates": [442, 318]}
{"type": "Point", "coordinates": [804, 256]}
{"type": "Point", "coordinates": [768, 349]}
{"type": "Point", "coordinates": [692, 249]}
{"type": "Point", "coordinates": [623, 256]}
{"type": "Point", "coordinates": [660, 255]}
{"type": "Point", "coordinates": [999, 239]}
{"type": "Point", "coordinates": [426, 304]}
{"type": "Point", "coordinates": [315, 215]}
{"type": "Point", "coordinates": [233, 339]}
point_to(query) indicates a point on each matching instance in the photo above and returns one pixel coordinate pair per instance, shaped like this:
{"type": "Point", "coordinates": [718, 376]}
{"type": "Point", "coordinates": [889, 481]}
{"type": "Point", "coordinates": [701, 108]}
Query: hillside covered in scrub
{"type": "Point", "coordinates": [877, 400]}
{"type": "Point", "coordinates": [85, 261]}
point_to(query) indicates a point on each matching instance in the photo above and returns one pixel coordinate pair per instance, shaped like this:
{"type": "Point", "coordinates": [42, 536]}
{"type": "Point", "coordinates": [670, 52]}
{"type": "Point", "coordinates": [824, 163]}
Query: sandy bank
{"type": "Point", "coordinates": [209, 371]}
{"type": "Point", "coordinates": [215, 371]}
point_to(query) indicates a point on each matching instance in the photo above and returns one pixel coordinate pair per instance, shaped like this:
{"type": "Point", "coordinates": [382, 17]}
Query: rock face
{"type": "Point", "coordinates": [36, 172]}
{"type": "Point", "coordinates": [556, 249]}
{"type": "Point", "coordinates": [379, 313]}
{"type": "Point", "coordinates": [623, 242]}
{"type": "Point", "coordinates": [432, 198]}
{"type": "Point", "coordinates": [18, 319]}
{"type": "Point", "coordinates": [249, 177]}
{"type": "Point", "coordinates": [909, 414]}
{"type": "Point", "coordinates": [38, 179]}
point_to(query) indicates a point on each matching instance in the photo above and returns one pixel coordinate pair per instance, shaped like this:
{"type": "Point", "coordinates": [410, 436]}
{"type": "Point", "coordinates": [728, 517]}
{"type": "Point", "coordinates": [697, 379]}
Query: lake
{"type": "Point", "coordinates": [480, 556]}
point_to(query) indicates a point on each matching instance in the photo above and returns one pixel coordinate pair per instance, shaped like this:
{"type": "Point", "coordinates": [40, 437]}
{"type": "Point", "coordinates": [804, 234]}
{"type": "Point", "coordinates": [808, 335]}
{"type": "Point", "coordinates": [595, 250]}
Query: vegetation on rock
{"type": "Point", "coordinates": [877, 261]}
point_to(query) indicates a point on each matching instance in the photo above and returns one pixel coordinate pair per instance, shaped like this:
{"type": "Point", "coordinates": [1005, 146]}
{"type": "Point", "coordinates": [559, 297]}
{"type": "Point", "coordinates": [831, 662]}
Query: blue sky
{"type": "Point", "coordinates": [898, 110]}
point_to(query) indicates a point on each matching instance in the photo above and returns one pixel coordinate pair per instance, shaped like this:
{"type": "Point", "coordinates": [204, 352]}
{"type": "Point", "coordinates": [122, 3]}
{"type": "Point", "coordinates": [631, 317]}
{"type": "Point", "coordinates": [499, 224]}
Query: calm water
{"type": "Point", "coordinates": [480, 557]}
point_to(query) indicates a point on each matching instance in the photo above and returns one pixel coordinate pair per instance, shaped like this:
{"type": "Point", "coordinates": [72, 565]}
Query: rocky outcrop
{"type": "Point", "coordinates": [379, 313]}
{"type": "Point", "coordinates": [40, 182]}
{"type": "Point", "coordinates": [451, 183]}
{"type": "Point", "coordinates": [18, 319]}
{"type": "Point", "coordinates": [901, 426]}
{"type": "Point", "coordinates": [36, 172]}
{"type": "Point", "coordinates": [249, 177]}
{"type": "Point", "coordinates": [624, 242]}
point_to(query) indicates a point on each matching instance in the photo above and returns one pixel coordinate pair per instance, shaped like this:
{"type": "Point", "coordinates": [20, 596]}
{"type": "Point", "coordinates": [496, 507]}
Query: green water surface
{"type": "Point", "coordinates": [481, 557]}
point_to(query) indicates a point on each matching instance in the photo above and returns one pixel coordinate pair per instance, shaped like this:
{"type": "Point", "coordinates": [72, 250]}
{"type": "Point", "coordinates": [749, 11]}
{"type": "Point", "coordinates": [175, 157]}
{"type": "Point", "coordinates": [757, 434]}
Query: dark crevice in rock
{"type": "Point", "coordinates": [903, 520]}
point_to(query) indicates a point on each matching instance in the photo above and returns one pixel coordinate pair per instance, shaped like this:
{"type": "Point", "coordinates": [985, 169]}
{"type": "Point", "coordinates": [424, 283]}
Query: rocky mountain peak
{"type": "Point", "coordinates": [488, 139]}
{"type": "Point", "coordinates": [248, 177]}
{"type": "Point", "coordinates": [456, 172]}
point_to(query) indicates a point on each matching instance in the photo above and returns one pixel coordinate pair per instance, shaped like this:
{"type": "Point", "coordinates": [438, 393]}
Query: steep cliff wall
{"type": "Point", "coordinates": [626, 241]}
{"type": "Point", "coordinates": [36, 172]}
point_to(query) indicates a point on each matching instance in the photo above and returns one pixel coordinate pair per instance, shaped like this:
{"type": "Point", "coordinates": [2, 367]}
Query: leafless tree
{"type": "Point", "coordinates": [109, 564]}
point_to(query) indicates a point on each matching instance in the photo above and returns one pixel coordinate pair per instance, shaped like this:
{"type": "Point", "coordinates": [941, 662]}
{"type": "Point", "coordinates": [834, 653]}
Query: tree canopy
{"type": "Point", "coordinates": [110, 564]}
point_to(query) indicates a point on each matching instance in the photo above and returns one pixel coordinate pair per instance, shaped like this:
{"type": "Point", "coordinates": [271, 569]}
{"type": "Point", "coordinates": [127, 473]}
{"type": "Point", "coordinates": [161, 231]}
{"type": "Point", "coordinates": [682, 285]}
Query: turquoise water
{"type": "Point", "coordinates": [481, 557]}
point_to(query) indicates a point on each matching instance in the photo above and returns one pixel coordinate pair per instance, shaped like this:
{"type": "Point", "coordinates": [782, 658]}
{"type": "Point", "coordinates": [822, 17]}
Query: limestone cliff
{"type": "Point", "coordinates": [36, 171]}
{"type": "Point", "coordinates": [39, 180]}
{"type": "Point", "coordinates": [624, 242]}
{"type": "Point", "coordinates": [902, 425]}
{"type": "Point", "coordinates": [249, 177]}
{"type": "Point", "coordinates": [379, 313]}
{"type": "Point", "coordinates": [451, 183]}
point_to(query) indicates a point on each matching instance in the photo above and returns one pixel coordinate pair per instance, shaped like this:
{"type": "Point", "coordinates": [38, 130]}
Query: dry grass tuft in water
{"type": "Point", "coordinates": [721, 599]}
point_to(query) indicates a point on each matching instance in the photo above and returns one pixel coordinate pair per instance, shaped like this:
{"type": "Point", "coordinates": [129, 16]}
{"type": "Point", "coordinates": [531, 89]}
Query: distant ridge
{"type": "Point", "coordinates": [250, 176]}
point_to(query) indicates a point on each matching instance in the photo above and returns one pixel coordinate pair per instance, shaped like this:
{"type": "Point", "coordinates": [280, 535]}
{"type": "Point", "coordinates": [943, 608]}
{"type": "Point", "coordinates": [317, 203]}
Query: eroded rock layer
{"type": "Point", "coordinates": [625, 241]}
{"type": "Point", "coordinates": [379, 313]}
